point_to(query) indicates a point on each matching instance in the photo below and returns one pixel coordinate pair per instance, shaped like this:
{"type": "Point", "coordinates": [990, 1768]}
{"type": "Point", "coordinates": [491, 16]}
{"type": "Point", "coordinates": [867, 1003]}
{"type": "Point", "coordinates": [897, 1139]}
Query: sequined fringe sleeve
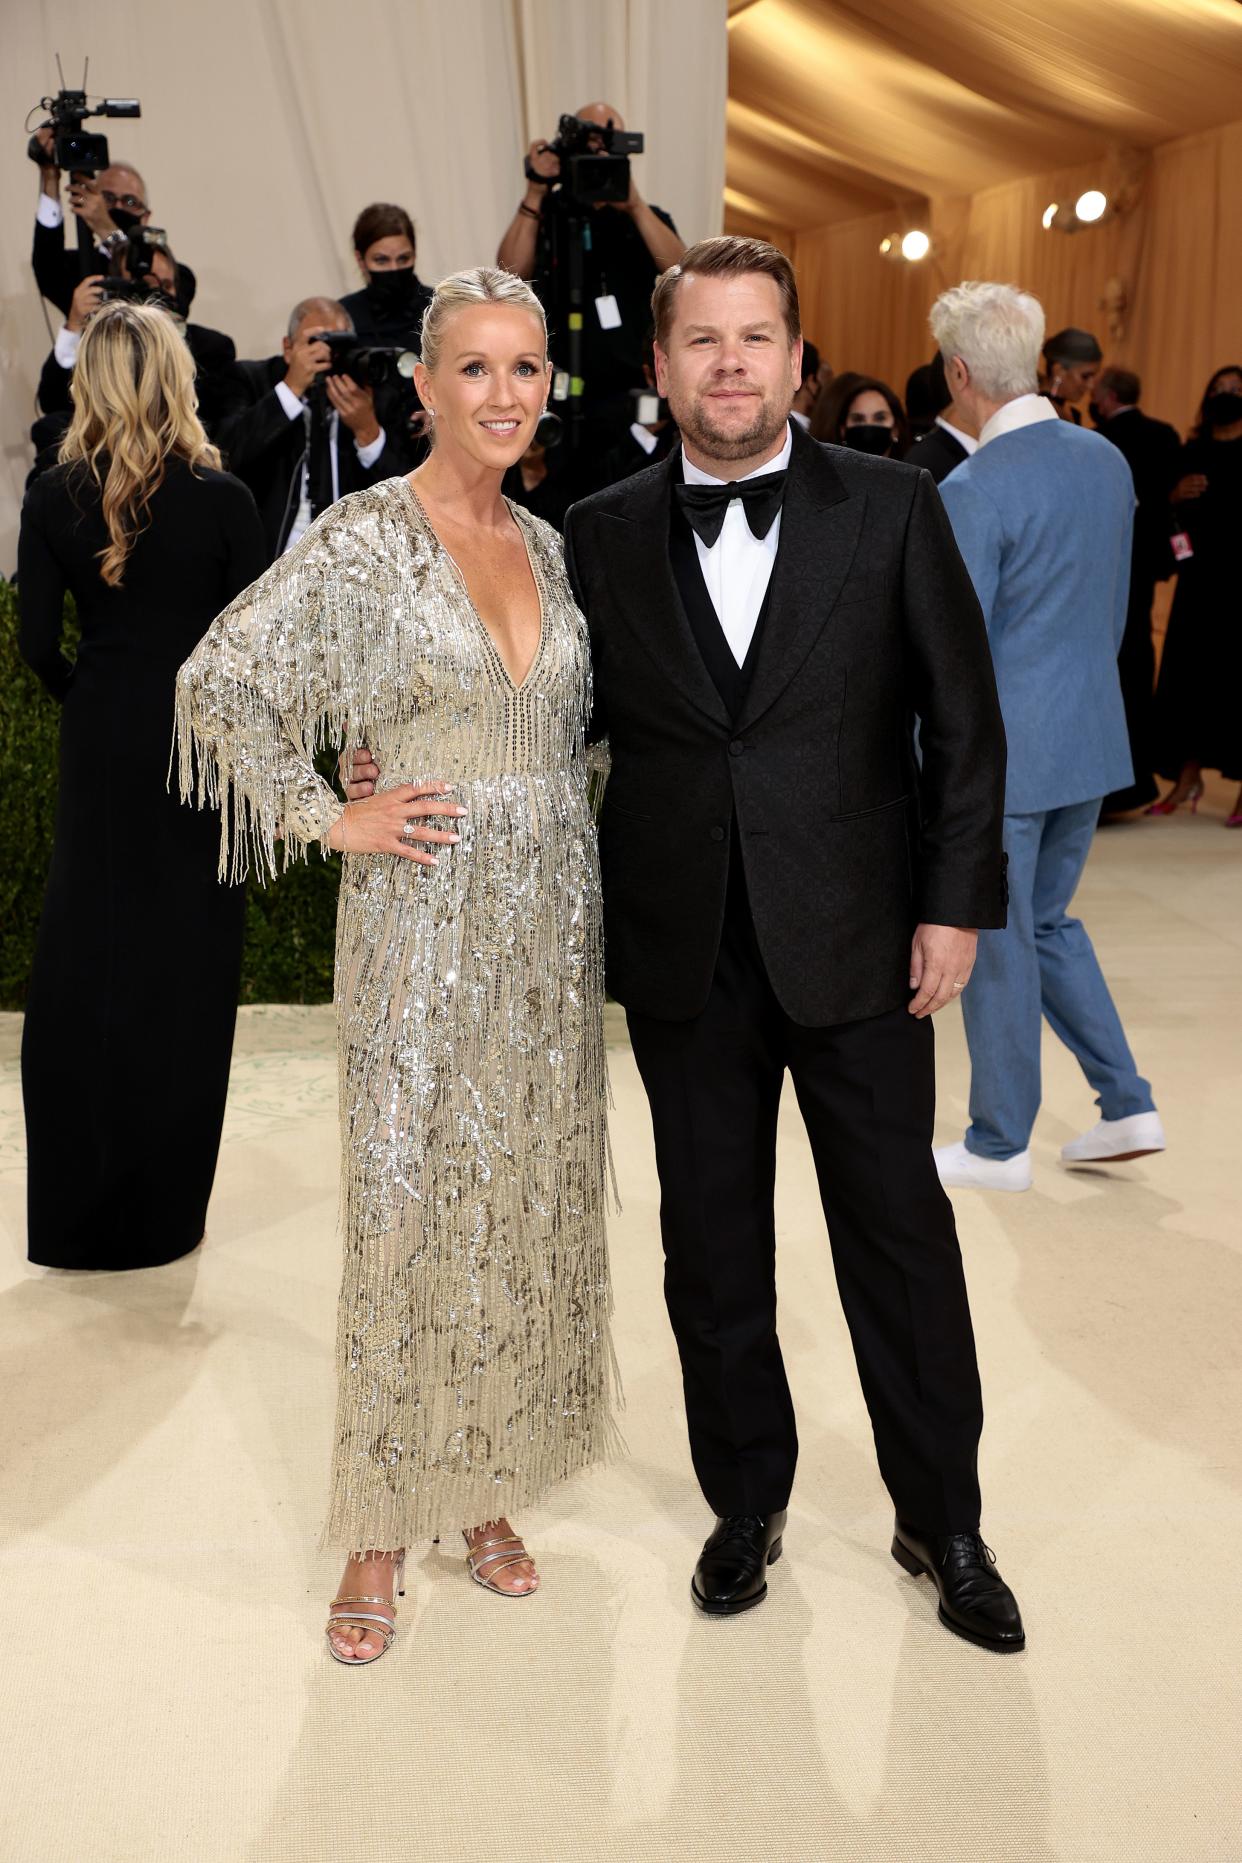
{"type": "Point", "coordinates": [272, 681]}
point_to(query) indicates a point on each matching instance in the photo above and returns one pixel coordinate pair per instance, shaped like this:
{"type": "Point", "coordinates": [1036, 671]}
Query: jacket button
{"type": "Point", "coordinates": [736, 747]}
{"type": "Point", "coordinates": [717, 833]}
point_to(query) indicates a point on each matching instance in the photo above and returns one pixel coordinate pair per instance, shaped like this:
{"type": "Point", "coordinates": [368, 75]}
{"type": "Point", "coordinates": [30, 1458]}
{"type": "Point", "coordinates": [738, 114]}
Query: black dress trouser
{"type": "Point", "coordinates": [866, 1091]}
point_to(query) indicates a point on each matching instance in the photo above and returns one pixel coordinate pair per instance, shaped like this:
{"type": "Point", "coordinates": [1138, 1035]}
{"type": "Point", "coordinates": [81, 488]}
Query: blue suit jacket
{"type": "Point", "coordinates": [1043, 517]}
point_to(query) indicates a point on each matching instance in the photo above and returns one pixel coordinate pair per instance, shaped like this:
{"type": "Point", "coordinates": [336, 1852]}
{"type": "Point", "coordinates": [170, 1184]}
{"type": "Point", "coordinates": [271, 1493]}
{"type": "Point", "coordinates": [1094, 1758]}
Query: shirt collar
{"type": "Point", "coordinates": [1022, 411]}
{"type": "Point", "coordinates": [967, 440]}
{"type": "Point", "coordinates": [693, 475]}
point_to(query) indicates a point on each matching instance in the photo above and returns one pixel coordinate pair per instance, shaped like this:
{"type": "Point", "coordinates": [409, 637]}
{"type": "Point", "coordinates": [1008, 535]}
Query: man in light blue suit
{"type": "Point", "coordinates": [1042, 513]}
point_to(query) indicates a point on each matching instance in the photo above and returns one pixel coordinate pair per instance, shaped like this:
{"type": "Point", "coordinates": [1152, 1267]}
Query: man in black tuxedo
{"type": "Point", "coordinates": [299, 437]}
{"type": "Point", "coordinates": [1152, 450]}
{"type": "Point", "coordinates": [952, 436]}
{"type": "Point", "coordinates": [785, 888]}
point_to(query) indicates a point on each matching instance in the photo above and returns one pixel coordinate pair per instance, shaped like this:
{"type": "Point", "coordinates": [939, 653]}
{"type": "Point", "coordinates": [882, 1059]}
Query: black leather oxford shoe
{"type": "Point", "coordinates": [731, 1575]}
{"type": "Point", "coordinates": [975, 1601]}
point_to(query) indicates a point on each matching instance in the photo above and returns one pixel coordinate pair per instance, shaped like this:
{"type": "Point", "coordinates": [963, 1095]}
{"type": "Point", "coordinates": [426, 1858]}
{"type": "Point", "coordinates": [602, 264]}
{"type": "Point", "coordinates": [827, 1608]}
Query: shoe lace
{"type": "Point", "coordinates": [968, 1549]}
{"type": "Point", "coordinates": [742, 1527]}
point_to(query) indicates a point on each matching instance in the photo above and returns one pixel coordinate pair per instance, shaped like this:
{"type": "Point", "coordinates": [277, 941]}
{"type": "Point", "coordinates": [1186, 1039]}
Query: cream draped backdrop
{"type": "Point", "coordinates": [265, 129]}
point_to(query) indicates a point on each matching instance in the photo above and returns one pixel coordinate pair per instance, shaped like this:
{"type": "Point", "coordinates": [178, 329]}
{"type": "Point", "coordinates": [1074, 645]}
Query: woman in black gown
{"type": "Point", "coordinates": [132, 1000]}
{"type": "Point", "coordinates": [1198, 719]}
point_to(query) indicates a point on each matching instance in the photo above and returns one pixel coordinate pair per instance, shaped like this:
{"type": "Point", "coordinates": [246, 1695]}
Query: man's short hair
{"type": "Point", "coordinates": [382, 220]}
{"type": "Point", "coordinates": [997, 330]}
{"type": "Point", "coordinates": [307, 305]}
{"type": "Point", "coordinates": [1123, 383]}
{"type": "Point", "coordinates": [728, 255]}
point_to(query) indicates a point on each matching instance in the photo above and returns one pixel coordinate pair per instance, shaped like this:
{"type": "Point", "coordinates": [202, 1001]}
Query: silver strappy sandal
{"type": "Point", "coordinates": [487, 1557]}
{"type": "Point", "coordinates": [366, 1620]}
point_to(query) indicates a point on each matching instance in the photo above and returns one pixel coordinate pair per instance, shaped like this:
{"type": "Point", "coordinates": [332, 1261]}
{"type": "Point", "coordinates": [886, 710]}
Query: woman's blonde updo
{"type": "Point", "coordinates": [482, 284]}
{"type": "Point", "coordinates": [134, 403]}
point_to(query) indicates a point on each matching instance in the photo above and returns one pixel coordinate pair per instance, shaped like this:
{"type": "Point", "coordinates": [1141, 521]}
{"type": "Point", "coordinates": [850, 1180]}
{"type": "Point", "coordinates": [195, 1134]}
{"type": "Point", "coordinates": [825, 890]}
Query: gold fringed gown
{"type": "Point", "coordinates": [474, 1360]}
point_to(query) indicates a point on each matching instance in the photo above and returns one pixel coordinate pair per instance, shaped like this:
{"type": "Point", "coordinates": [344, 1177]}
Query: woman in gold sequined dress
{"type": "Point", "coordinates": [432, 621]}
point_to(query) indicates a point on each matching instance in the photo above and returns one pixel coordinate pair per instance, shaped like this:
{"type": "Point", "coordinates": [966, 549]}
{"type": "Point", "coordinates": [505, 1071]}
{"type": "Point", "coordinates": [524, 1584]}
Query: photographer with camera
{"type": "Point", "coordinates": [112, 201]}
{"type": "Point", "coordinates": [389, 310]}
{"type": "Point", "coordinates": [142, 269]}
{"type": "Point", "coordinates": [622, 245]}
{"type": "Point", "coordinates": [280, 430]}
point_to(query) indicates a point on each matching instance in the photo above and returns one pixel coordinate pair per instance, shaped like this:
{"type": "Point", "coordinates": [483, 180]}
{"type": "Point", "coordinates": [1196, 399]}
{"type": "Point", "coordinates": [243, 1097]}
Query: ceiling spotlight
{"type": "Point", "coordinates": [1091, 206]}
{"type": "Point", "coordinates": [1049, 214]}
{"type": "Point", "coordinates": [915, 246]}
{"type": "Point", "coordinates": [889, 246]}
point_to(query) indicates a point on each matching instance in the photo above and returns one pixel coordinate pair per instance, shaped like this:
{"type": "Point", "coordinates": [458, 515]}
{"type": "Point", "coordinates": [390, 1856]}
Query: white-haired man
{"type": "Point", "coordinates": [1043, 513]}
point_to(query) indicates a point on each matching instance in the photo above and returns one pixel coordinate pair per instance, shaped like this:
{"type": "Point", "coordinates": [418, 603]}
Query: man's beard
{"type": "Point", "coordinates": [694, 421]}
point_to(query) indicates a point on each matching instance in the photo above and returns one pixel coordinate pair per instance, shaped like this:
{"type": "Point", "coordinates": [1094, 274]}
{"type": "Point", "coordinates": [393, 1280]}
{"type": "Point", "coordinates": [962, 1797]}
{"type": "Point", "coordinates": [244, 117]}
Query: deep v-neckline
{"type": "Point", "coordinates": [489, 638]}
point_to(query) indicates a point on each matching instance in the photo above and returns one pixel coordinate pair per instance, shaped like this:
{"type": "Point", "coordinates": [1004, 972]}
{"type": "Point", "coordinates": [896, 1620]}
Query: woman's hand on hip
{"type": "Point", "coordinates": [394, 821]}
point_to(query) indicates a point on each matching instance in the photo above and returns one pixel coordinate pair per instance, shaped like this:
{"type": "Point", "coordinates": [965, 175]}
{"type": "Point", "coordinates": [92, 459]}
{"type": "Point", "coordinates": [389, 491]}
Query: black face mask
{"type": "Point", "coordinates": [124, 222]}
{"type": "Point", "coordinates": [1221, 410]}
{"type": "Point", "coordinates": [393, 291]}
{"type": "Point", "coordinates": [871, 439]}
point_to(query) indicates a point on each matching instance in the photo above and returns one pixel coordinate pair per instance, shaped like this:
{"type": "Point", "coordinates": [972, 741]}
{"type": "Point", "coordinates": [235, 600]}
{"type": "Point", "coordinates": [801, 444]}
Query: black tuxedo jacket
{"type": "Point", "coordinates": [871, 619]}
{"type": "Point", "coordinates": [1152, 450]}
{"type": "Point", "coordinates": [937, 452]}
{"type": "Point", "coordinates": [265, 448]}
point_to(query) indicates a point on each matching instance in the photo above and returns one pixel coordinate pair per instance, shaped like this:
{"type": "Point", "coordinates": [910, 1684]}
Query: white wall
{"type": "Point", "coordinates": [266, 127]}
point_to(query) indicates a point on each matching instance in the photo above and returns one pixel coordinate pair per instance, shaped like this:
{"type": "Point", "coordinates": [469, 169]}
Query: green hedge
{"type": "Point", "coordinates": [290, 923]}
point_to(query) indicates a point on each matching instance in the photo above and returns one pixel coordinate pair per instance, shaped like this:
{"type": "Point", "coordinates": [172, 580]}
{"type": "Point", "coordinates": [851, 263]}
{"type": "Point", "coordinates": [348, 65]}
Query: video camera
{"type": "Point", "coordinates": [76, 150]}
{"type": "Point", "coordinates": [371, 363]}
{"type": "Point", "coordinates": [591, 172]}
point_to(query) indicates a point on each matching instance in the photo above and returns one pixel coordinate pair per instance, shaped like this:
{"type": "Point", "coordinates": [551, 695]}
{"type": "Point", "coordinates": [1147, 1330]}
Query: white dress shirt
{"type": "Point", "coordinates": [1022, 411]}
{"type": "Point", "coordinates": [646, 439]}
{"type": "Point", "coordinates": [963, 439]}
{"type": "Point", "coordinates": [738, 566]}
{"type": "Point", "coordinates": [367, 456]}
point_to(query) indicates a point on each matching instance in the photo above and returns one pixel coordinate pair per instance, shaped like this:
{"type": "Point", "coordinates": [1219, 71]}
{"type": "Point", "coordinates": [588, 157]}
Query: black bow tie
{"type": "Point", "coordinates": [705, 505]}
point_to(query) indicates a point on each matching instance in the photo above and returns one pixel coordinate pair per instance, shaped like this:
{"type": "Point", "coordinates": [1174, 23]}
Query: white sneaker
{"type": "Point", "coordinates": [1116, 1140]}
{"type": "Point", "coordinates": [962, 1170]}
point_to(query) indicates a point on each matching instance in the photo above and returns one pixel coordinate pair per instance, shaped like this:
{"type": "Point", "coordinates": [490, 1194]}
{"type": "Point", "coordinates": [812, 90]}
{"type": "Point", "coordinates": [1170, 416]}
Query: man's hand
{"type": "Point", "coordinates": [941, 960]}
{"type": "Point", "coordinates": [356, 407]}
{"type": "Point", "coordinates": [88, 203]}
{"type": "Point", "coordinates": [85, 302]}
{"type": "Point", "coordinates": [307, 358]}
{"type": "Point", "coordinates": [546, 165]}
{"type": "Point", "coordinates": [1192, 486]}
{"type": "Point", "coordinates": [359, 773]}
{"type": "Point", "coordinates": [45, 136]}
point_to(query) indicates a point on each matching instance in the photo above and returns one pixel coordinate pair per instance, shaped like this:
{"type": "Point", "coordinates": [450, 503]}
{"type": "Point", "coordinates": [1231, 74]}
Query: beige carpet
{"type": "Point", "coordinates": [164, 1686]}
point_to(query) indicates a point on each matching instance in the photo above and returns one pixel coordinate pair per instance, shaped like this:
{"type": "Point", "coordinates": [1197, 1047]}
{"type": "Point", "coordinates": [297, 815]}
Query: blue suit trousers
{"type": "Point", "coordinates": [1042, 965]}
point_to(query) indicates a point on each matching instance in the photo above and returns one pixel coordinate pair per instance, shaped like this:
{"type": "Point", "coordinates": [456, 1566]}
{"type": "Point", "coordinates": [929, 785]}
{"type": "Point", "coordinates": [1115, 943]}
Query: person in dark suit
{"type": "Point", "coordinates": [951, 437]}
{"type": "Point", "coordinates": [1151, 449]}
{"type": "Point", "coordinates": [113, 201]}
{"type": "Point", "coordinates": [133, 993]}
{"type": "Point", "coordinates": [280, 428]}
{"type": "Point", "coordinates": [213, 352]}
{"type": "Point", "coordinates": [785, 888]}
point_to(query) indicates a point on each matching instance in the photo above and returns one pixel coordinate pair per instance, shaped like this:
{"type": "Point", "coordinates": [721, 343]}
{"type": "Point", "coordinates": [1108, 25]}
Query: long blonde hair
{"type": "Point", "coordinates": [134, 403]}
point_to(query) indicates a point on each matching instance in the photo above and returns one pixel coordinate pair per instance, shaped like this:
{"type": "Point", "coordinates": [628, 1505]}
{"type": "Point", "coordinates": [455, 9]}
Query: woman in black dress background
{"type": "Point", "coordinates": [1198, 717]}
{"type": "Point", "coordinates": [132, 1000]}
